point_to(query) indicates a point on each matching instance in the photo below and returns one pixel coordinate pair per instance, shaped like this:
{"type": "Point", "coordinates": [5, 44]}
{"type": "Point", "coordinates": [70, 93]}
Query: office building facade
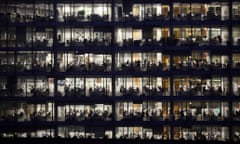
{"type": "Point", "coordinates": [140, 69]}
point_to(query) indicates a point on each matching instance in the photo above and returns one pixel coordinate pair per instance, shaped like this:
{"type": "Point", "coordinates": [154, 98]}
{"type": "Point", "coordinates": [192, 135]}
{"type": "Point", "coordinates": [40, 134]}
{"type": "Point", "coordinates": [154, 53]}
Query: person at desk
{"type": "Point", "coordinates": [107, 113]}
{"type": "Point", "coordinates": [180, 91]}
{"type": "Point", "coordinates": [236, 136]}
{"type": "Point", "coordinates": [127, 64]}
{"type": "Point", "coordinates": [219, 91]}
{"type": "Point", "coordinates": [237, 63]}
{"type": "Point", "coordinates": [20, 113]}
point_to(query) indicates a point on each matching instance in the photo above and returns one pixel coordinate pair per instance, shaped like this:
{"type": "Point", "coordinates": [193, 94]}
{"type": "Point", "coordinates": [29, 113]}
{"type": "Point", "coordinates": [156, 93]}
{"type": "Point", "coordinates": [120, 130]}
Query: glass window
{"type": "Point", "coordinates": [129, 111]}
{"type": "Point", "coordinates": [126, 11]}
{"type": "Point", "coordinates": [71, 87]}
{"type": "Point", "coordinates": [236, 10]}
{"type": "Point", "coordinates": [128, 36]}
{"type": "Point", "coordinates": [30, 133]}
{"type": "Point", "coordinates": [43, 61]}
{"type": "Point", "coordinates": [220, 62]}
{"type": "Point", "coordinates": [71, 131]}
{"type": "Point", "coordinates": [236, 86]}
{"type": "Point", "coordinates": [123, 61]}
{"type": "Point", "coordinates": [156, 86]}
{"type": "Point", "coordinates": [44, 12]}
{"type": "Point", "coordinates": [96, 11]}
{"type": "Point", "coordinates": [201, 133]}
{"type": "Point", "coordinates": [235, 60]}
{"type": "Point", "coordinates": [20, 111]}
{"type": "Point", "coordinates": [181, 11]}
{"type": "Point", "coordinates": [194, 86]}
{"type": "Point", "coordinates": [35, 86]}
{"type": "Point", "coordinates": [42, 112]}
{"type": "Point", "coordinates": [235, 133]}
{"type": "Point", "coordinates": [201, 36]}
{"type": "Point", "coordinates": [42, 133]}
{"type": "Point", "coordinates": [4, 87]}
{"type": "Point", "coordinates": [128, 86]}
{"type": "Point", "coordinates": [218, 36]}
{"type": "Point", "coordinates": [24, 61]}
{"type": "Point", "coordinates": [80, 37]}
{"type": "Point", "coordinates": [80, 112]}
{"type": "Point", "coordinates": [156, 111]}
{"type": "Point", "coordinates": [64, 61]}
{"type": "Point", "coordinates": [7, 61]}
{"type": "Point", "coordinates": [216, 11]}
{"type": "Point", "coordinates": [24, 86]}
{"type": "Point", "coordinates": [43, 37]}
{"type": "Point", "coordinates": [98, 87]}
{"type": "Point", "coordinates": [236, 36]}
{"type": "Point", "coordinates": [142, 62]}
{"type": "Point", "coordinates": [200, 60]}
{"type": "Point", "coordinates": [19, 13]}
{"type": "Point", "coordinates": [236, 111]}
{"type": "Point", "coordinates": [197, 11]}
{"type": "Point", "coordinates": [44, 87]}
{"type": "Point", "coordinates": [201, 110]}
